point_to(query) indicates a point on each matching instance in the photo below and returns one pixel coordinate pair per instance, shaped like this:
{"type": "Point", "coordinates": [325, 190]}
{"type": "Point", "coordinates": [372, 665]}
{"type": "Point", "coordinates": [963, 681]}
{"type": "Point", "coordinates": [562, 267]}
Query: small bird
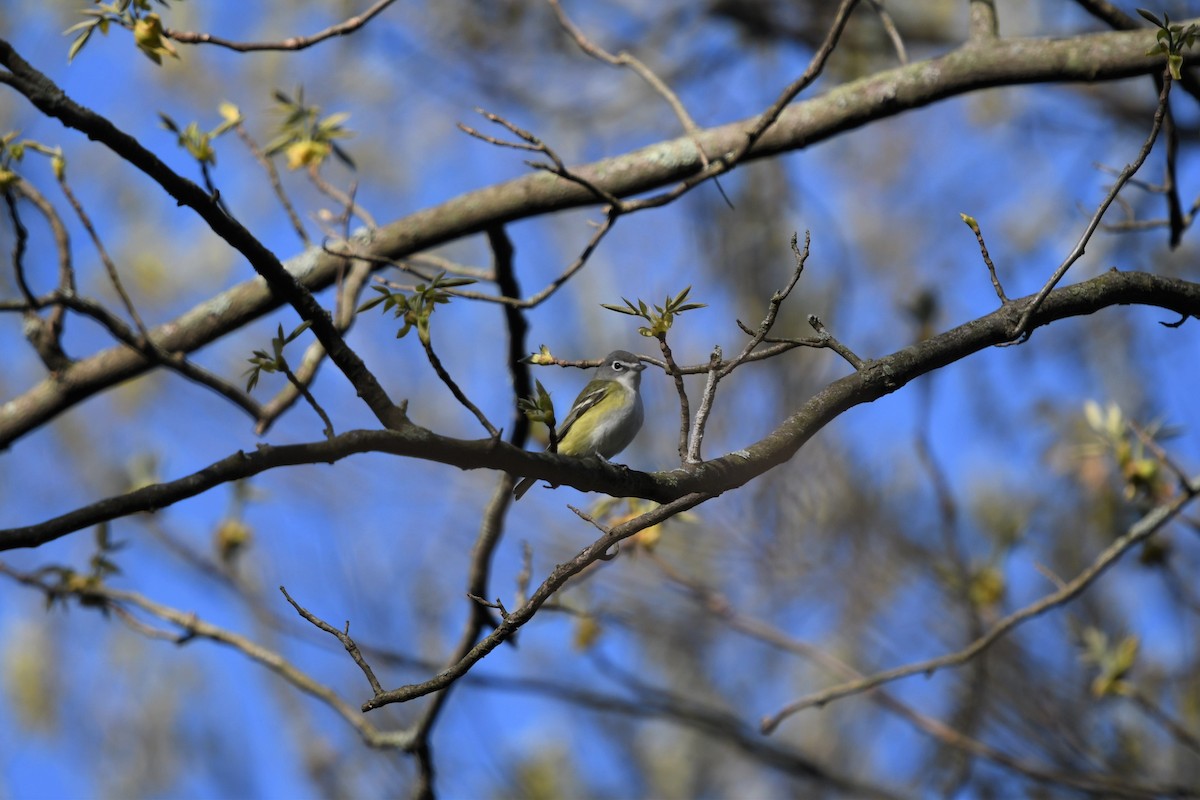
{"type": "Point", "coordinates": [605, 417]}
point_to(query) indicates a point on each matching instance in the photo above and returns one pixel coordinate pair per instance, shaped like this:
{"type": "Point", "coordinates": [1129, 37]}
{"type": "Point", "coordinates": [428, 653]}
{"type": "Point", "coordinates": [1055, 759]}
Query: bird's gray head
{"type": "Point", "coordinates": [620, 365]}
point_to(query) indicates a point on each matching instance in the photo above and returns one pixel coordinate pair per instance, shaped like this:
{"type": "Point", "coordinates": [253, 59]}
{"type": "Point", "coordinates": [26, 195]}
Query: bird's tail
{"type": "Point", "coordinates": [522, 487]}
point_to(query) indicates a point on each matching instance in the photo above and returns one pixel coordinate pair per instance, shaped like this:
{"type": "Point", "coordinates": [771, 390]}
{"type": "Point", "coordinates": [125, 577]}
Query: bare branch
{"type": "Point", "coordinates": [458, 393]}
{"type": "Point", "coordinates": [833, 344]}
{"type": "Point", "coordinates": [1143, 529]}
{"type": "Point", "coordinates": [314, 355]}
{"type": "Point", "coordinates": [626, 59]}
{"type": "Point", "coordinates": [342, 636]}
{"type": "Point", "coordinates": [987, 259]}
{"type": "Point", "coordinates": [983, 25]}
{"type": "Point", "coordinates": [192, 627]}
{"type": "Point", "coordinates": [268, 166]}
{"type": "Point", "coordinates": [1021, 329]}
{"type": "Point", "coordinates": [109, 266]}
{"type": "Point", "coordinates": [776, 301]}
{"type": "Point", "coordinates": [292, 42]}
{"type": "Point", "coordinates": [706, 402]}
{"type": "Point", "coordinates": [889, 26]}
{"type": "Point", "coordinates": [533, 144]}
{"type": "Point", "coordinates": [685, 411]}
{"type": "Point", "coordinates": [555, 581]}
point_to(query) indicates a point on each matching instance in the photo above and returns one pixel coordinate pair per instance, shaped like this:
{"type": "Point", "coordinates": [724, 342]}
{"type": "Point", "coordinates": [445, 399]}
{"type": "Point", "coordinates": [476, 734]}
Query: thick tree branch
{"type": "Point", "coordinates": [1004, 62]}
{"type": "Point", "coordinates": [876, 378]}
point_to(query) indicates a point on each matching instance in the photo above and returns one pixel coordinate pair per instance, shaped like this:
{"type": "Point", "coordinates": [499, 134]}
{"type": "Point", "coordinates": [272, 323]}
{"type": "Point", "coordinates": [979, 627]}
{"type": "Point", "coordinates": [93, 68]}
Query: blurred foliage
{"type": "Point", "coordinates": [305, 137]}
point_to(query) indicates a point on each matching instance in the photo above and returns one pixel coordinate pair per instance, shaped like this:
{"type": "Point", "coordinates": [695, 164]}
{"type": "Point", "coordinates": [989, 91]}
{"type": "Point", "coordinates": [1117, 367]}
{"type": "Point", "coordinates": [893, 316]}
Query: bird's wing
{"type": "Point", "coordinates": [590, 396]}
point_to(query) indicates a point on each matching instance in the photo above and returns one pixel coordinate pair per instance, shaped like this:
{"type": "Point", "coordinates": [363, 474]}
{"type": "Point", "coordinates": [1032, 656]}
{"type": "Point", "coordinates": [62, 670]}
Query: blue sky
{"type": "Point", "coordinates": [373, 539]}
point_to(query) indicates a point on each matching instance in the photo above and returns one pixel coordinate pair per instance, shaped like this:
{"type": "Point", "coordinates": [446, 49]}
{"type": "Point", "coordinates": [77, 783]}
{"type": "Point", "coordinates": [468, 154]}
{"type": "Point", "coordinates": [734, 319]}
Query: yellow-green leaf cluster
{"type": "Point", "coordinates": [660, 317]}
{"type": "Point", "coordinates": [1172, 40]}
{"type": "Point", "coordinates": [539, 407]}
{"type": "Point", "coordinates": [198, 142]}
{"type": "Point", "coordinates": [416, 309]}
{"type": "Point", "coordinates": [134, 15]}
{"type": "Point", "coordinates": [1114, 660]}
{"type": "Point", "coordinates": [262, 361]}
{"type": "Point", "coordinates": [1142, 473]}
{"type": "Point", "coordinates": [305, 138]}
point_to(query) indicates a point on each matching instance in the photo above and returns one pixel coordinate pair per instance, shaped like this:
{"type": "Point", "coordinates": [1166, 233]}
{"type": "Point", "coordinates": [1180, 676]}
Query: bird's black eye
{"type": "Point", "coordinates": [618, 366]}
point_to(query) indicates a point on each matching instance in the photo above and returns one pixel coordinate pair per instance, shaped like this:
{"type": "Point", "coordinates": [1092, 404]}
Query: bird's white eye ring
{"type": "Point", "coordinates": [618, 366]}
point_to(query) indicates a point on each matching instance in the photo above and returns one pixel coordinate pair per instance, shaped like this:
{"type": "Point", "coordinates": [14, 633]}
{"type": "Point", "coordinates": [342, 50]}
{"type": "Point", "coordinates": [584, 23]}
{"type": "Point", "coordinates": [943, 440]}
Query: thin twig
{"type": "Point", "coordinates": [192, 627]}
{"type": "Point", "coordinates": [268, 166]}
{"type": "Point", "coordinates": [20, 242]}
{"type": "Point", "coordinates": [1148, 441]}
{"type": "Point", "coordinates": [314, 354]}
{"type": "Point", "coordinates": [62, 243]}
{"type": "Point", "coordinates": [610, 217]}
{"type": "Point", "coordinates": [596, 551]}
{"type": "Point", "coordinates": [532, 301]}
{"type": "Point", "coordinates": [589, 519]}
{"type": "Point", "coordinates": [532, 143]}
{"type": "Point", "coordinates": [342, 636]}
{"type": "Point", "coordinates": [627, 59]}
{"type": "Point", "coordinates": [109, 266]}
{"type": "Point", "coordinates": [158, 355]}
{"type": "Point", "coordinates": [1021, 329]}
{"type": "Point", "coordinates": [291, 43]}
{"type": "Point", "coordinates": [345, 199]}
{"type": "Point", "coordinates": [304, 392]}
{"type": "Point", "coordinates": [889, 26]}
{"type": "Point", "coordinates": [42, 335]}
{"type": "Point", "coordinates": [706, 403]}
{"type": "Point", "coordinates": [437, 263]}
{"type": "Point", "coordinates": [773, 306]}
{"type": "Point", "coordinates": [685, 411]}
{"type": "Point", "coordinates": [973, 224]}
{"type": "Point", "coordinates": [828, 340]}
{"type": "Point", "coordinates": [436, 363]}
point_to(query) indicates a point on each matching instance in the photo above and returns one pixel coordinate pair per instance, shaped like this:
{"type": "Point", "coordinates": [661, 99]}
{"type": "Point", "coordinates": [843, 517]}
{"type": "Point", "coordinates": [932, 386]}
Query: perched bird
{"type": "Point", "coordinates": [605, 417]}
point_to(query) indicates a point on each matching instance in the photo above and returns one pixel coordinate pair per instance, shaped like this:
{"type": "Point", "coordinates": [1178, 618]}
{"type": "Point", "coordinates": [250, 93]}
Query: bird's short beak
{"type": "Point", "coordinates": [639, 367]}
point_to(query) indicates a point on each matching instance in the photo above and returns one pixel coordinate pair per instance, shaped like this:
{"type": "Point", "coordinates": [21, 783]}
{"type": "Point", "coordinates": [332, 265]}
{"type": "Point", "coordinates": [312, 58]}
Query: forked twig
{"type": "Point", "coordinates": [627, 59]}
{"type": "Point", "coordinates": [1021, 329]}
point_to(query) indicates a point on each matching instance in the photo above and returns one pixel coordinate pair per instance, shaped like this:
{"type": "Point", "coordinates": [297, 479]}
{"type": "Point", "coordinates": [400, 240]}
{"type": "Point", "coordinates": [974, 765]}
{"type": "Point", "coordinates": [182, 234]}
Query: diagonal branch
{"type": "Point", "coordinates": [1128, 172]}
{"type": "Point", "coordinates": [52, 101]}
{"type": "Point", "coordinates": [1143, 529]}
{"type": "Point", "coordinates": [192, 627]}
